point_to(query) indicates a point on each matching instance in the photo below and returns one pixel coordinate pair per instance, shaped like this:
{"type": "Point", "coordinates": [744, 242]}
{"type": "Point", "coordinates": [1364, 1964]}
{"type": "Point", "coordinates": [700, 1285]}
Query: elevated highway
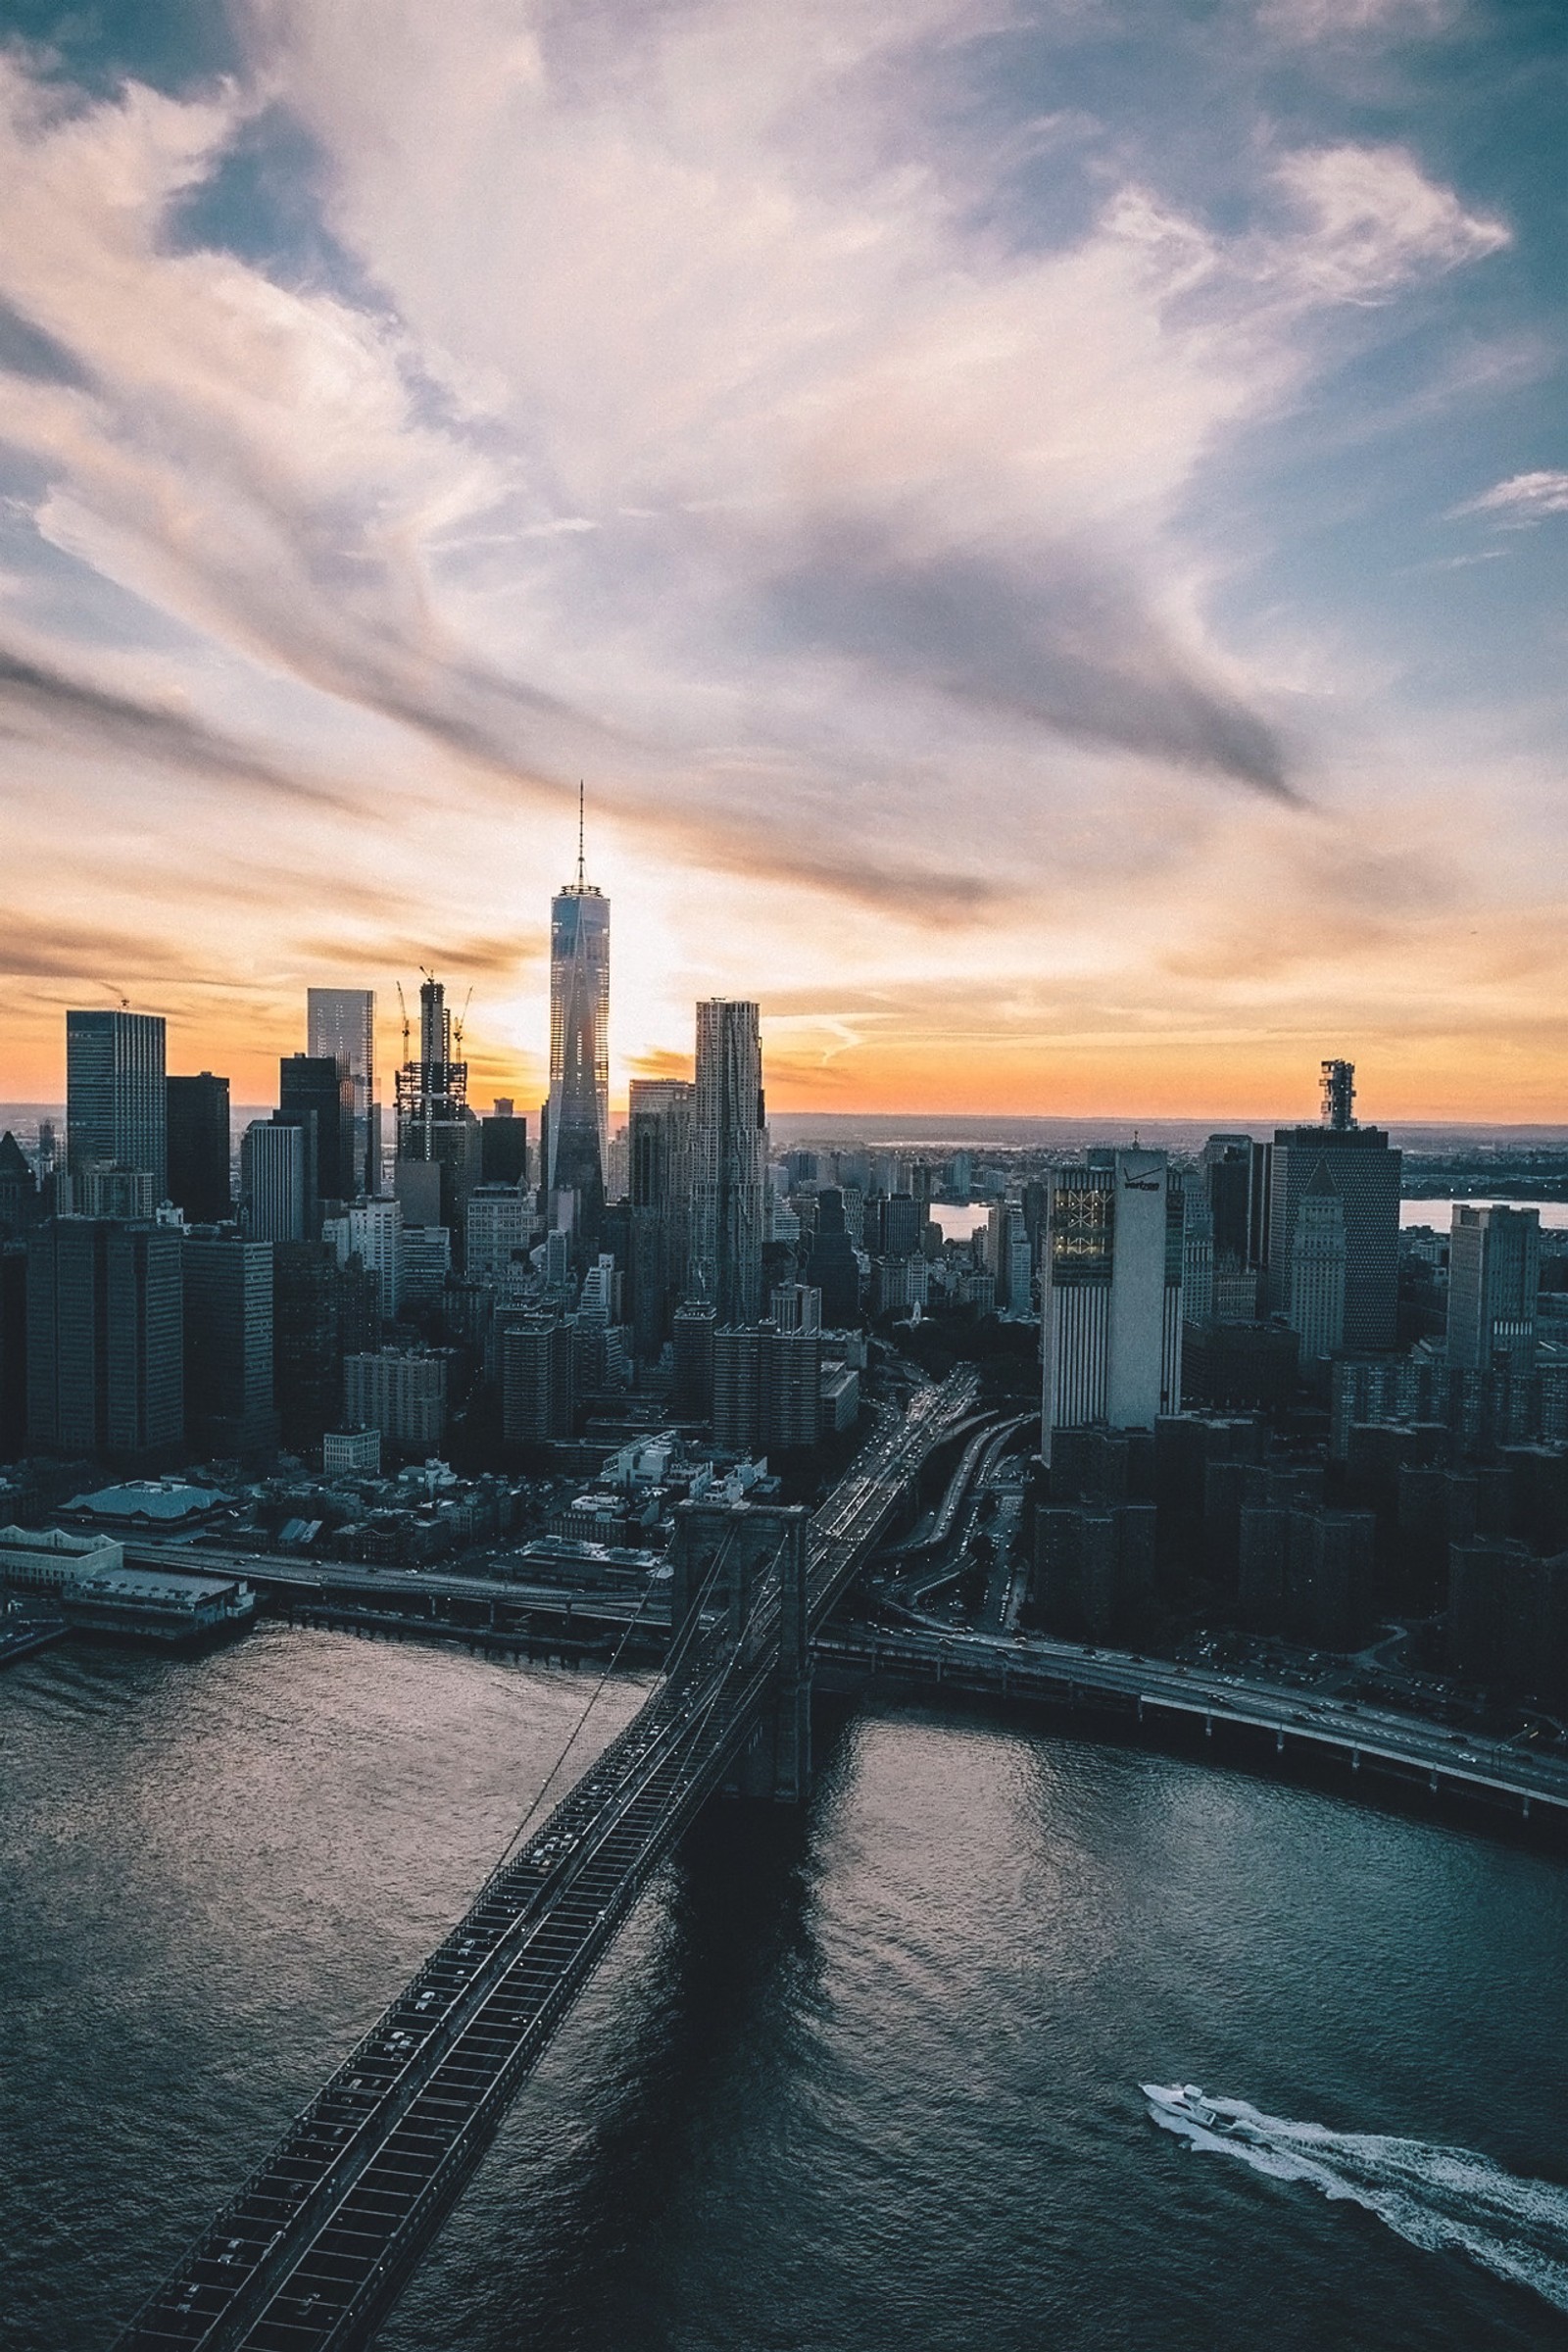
{"type": "Point", "coordinates": [1152, 1691]}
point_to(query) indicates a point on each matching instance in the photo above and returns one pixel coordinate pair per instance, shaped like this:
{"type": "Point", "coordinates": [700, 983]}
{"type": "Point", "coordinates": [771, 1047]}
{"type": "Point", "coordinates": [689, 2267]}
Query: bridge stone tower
{"type": "Point", "coordinates": [735, 1544]}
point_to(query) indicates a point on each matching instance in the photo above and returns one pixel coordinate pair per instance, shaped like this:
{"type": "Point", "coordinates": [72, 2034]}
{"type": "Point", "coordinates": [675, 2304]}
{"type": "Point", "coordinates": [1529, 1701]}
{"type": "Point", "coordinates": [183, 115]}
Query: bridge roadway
{"type": "Point", "coordinates": [1064, 1671]}
{"type": "Point", "coordinates": [313, 2250]}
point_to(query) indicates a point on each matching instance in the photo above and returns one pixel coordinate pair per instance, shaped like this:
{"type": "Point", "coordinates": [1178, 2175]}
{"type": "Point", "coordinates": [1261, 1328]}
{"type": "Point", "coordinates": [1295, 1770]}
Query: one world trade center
{"type": "Point", "coordinates": [579, 1056]}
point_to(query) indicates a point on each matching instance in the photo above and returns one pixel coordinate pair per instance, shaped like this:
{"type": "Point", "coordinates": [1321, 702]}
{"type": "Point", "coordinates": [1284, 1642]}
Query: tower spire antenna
{"type": "Point", "coordinates": [581, 884]}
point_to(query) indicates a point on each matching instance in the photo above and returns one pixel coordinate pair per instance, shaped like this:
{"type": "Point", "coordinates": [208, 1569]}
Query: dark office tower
{"type": "Point", "coordinates": [307, 1354]}
{"type": "Point", "coordinates": [728, 1161]}
{"type": "Point", "coordinates": [228, 1344]}
{"type": "Point", "coordinates": [435, 1126]}
{"type": "Point", "coordinates": [832, 1267]}
{"type": "Point", "coordinates": [12, 1349]}
{"type": "Point", "coordinates": [660, 1159]}
{"type": "Point", "coordinates": [340, 1024]}
{"type": "Point", "coordinates": [19, 1190]}
{"type": "Point", "coordinates": [114, 1106]}
{"type": "Point", "coordinates": [315, 1094]}
{"type": "Point", "coordinates": [1228, 1174]}
{"type": "Point", "coordinates": [272, 1182]}
{"type": "Point", "coordinates": [692, 1391]}
{"type": "Point", "coordinates": [502, 1149]}
{"type": "Point", "coordinates": [105, 1338]}
{"type": "Point", "coordinates": [1494, 1278]}
{"type": "Point", "coordinates": [579, 1051]}
{"type": "Point", "coordinates": [199, 1148]}
{"type": "Point", "coordinates": [1365, 1173]}
{"type": "Point", "coordinates": [902, 1224]}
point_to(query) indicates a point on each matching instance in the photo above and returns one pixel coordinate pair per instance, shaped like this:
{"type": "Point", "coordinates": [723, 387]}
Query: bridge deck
{"type": "Point", "coordinates": [311, 2252]}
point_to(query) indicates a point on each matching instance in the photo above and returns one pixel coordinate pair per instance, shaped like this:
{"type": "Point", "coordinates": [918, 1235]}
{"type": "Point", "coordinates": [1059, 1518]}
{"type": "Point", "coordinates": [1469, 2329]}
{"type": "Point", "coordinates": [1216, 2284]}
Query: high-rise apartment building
{"type": "Point", "coordinates": [767, 1388]}
{"type": "Point", "coordinates": [1319, 1262]}
{"type": "Point", "coordinates": [104, 1337]}
{"type": "Point", "coordinates": [402, 1391]}
{"type": "Point", "coordinates": [227, 1288]}
{"type": "Point", "coordinates": [116, 1106]}
{"type": "Point", "coordinates": [536, 1381]}
{"type": "Point", "coordinates": [372, 1232]}
{"type": "Point", "coordinates": [578, 1140]}
{"type": "Point", "coordinates": [340, 1025]}
{"type": "Point", "coordinates": [273, 1200]}
{"type": "Point", "coordinates": [499, 1234]}
{"type": "Point", "coordinates": [660, 1185]}
{"type": "Point", "coordinates": [1365, 1173]}
{"type": "Point", "coordinates": [729, 1143]}
{"type": "Point", "coordinates": [1493, 1282]}
{"type": "Point", "coordinates": [1112, 1293]}
{"type": "Point", "coordinates": [199, 1148]}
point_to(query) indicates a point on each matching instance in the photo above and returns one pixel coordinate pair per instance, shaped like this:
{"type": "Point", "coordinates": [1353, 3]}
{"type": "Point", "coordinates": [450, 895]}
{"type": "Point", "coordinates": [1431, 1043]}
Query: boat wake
{"type": "Point", "coordinates": [1440, 2199]}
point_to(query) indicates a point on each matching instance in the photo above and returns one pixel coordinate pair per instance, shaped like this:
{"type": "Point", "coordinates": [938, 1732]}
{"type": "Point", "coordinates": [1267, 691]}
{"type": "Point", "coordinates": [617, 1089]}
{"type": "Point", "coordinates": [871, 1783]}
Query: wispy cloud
{"type": "Point", "coordinates": [1523, 498]}
{"type": "Point", "coordinates": [703, 398]}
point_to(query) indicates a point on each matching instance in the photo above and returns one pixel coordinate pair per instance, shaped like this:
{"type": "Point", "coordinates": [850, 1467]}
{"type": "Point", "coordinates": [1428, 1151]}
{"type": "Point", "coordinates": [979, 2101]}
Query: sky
{"type": "Point", "coordinates": [1040, 523]}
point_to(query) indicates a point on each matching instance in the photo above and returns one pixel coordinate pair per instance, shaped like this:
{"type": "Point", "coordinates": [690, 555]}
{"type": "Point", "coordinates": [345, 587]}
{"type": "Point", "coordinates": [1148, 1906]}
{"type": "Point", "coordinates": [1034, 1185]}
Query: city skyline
{"type": "Point", "coordinates": [1097, 736]}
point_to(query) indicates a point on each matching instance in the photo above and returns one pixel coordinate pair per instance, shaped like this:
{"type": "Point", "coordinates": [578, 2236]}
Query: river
{"type": "Point", "coordinates": [866, 2082]}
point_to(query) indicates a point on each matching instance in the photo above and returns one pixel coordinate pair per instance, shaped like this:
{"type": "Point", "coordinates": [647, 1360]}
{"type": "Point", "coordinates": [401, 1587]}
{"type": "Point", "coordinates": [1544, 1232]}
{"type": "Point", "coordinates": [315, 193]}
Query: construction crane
{"type": "Point", "coordinates": [403, 1009]}
{"type": "Point", "coordinates": [456, 1026]}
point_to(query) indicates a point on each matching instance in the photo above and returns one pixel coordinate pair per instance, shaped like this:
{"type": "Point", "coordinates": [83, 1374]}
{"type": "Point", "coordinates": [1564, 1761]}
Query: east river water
{"type": "Point", "coordinates": [868, 2083]}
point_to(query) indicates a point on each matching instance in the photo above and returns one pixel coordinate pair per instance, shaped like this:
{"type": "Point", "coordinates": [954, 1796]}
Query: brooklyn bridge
{"type": "Point", "coordinates": [312, 2251]}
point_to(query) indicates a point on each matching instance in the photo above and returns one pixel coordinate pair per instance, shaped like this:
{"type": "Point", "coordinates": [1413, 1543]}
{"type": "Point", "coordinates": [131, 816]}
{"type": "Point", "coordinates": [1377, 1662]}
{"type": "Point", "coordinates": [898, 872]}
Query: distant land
{"type": "Point", "coordinates": [998, 1130]}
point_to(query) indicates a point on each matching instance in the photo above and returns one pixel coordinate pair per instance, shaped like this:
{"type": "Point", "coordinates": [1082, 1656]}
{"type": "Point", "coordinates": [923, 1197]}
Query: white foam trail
{"type": "Point", "coordinates": [1441, 2199]}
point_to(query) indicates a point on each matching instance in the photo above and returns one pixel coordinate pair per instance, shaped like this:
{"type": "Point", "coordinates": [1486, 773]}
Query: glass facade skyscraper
{"type": "Point", "coordinates": [115, 1096]}
{"type": "Point", "coordinates": [341, 1022]}
{"type": "Point", "coordinates": [728, 1161]}
{"type": "Point", "coordinates": [579, 1123]}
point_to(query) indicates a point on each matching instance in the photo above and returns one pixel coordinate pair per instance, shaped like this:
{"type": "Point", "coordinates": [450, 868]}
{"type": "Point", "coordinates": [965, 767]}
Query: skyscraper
{"type": "Point", "coordinates": [273, 1181]}
{"type": "Point", "coordinates": [436, 1129]}
{"type": "Point", "coordinates": [1494, 1279]}
{"type": "Point", "coordinates": [1365, 1173]}
{"type": "Point", "coordinates": [228, 1344]}
{"type": "Point", "coordinates": [832, 1266]}
{"type": "Point", "coordinates": [1316, 1311]}
{"type": "Point", "coordinates": [728, 1161]}
{"type": "Point", "coordinates": [115, 1096]}
{"type": "Point", "coordinates": [316, 1092]}
{"type": "Point", "coordinates": [1112, 1293]}
{"type": "Point", "coordinates": [104, 1337]}
{"type": "Point", "coordinates": [199, 1148]}
{"type": "Point", "coordinates": [578, 1126]}
{"type": "Point", "coordinates": [341, 1022]}
{"type": "Point", "coordinates": [659, 1180]}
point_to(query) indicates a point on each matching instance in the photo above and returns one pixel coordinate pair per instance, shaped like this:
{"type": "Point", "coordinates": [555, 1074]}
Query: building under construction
{"type": "Point", "coordinates": [436, 1129]}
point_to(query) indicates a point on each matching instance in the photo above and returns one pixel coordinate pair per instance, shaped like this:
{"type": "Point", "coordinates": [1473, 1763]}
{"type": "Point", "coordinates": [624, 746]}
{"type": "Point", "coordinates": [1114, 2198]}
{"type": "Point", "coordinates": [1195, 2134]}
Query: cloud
{"type": "Point", "coordinates": [1524, 498]}
{"type": "Point", "coordinates": [46, 704]}
{"type": "Point", "coordinates": [1308, 21]}
{"type": "Point", "coordinates": [701, 399]}
{"type": "Point", "coordinates": [1056, 639]}
{"type": "Point", "coordinates": [1376, 222]}
{"type": "Point", "coordinates": [45, 947]}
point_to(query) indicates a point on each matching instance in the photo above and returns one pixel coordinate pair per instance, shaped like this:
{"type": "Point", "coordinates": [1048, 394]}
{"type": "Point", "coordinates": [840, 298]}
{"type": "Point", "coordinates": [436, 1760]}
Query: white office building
{"type": "Point", "coordinates": [372, 1232]}
{"type": "Point", "coordinates": [1112, 1293]}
